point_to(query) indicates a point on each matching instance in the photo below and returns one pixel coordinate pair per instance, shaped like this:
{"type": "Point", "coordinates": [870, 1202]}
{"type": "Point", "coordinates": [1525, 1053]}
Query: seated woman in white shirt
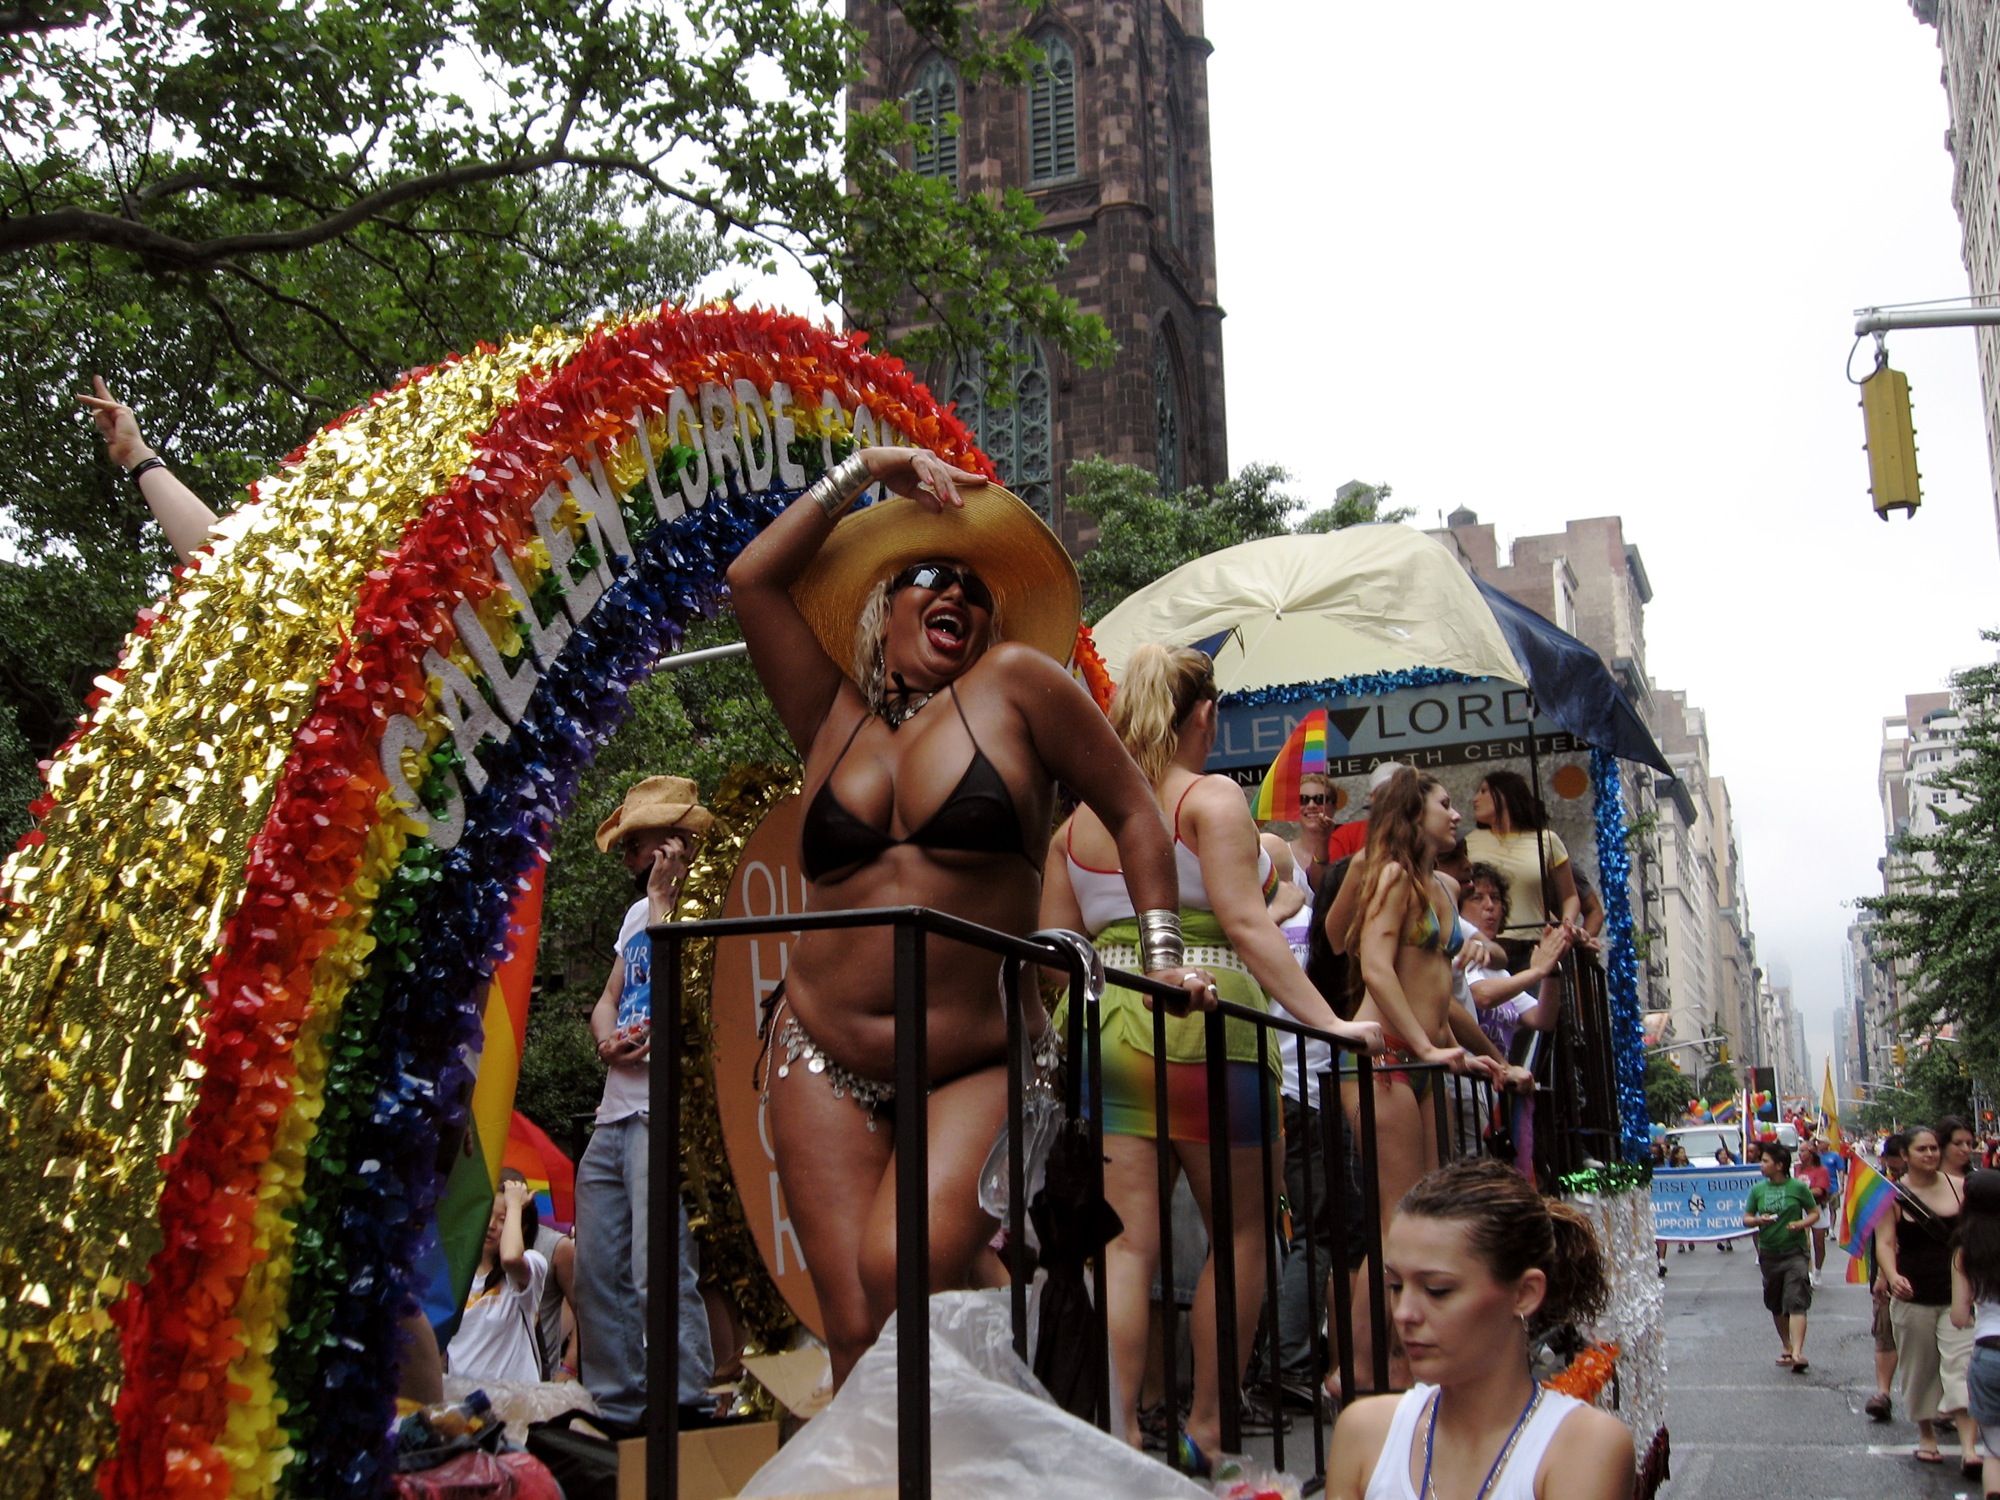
{"type": "Point", "coordinates": [496, 1337]}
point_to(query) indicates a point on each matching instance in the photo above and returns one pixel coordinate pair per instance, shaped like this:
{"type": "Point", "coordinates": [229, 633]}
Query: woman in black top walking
{"type": "Point", "coordinates": [1914, 1247]}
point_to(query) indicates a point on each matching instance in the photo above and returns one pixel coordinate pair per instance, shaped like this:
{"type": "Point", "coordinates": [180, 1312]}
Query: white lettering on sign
{"type": "Point", "coordinates": [744, 434]}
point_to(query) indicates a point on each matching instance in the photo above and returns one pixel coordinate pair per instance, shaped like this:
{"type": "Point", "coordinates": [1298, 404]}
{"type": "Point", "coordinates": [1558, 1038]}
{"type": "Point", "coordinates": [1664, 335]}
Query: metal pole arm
{"type": "Point", "coordinates": [1870, 321]}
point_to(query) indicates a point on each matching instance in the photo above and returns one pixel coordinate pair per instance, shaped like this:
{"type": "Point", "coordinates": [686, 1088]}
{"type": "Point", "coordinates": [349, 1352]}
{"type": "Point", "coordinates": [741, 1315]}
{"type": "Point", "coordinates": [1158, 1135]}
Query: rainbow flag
{"type": "Point", "coordinates": [1304, 754]}
{"type": "Point", "coordinates": [1863, 1207]}
{"type": "Point", "coordinates": [1723, 1113]}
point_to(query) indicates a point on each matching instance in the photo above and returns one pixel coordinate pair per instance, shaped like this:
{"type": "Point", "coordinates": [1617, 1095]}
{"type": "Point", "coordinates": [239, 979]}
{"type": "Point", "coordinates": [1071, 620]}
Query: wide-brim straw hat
{"type": "Point", "coordinates": [1034, 583]}
{"type": "Point", "coordinates": [656, 802]}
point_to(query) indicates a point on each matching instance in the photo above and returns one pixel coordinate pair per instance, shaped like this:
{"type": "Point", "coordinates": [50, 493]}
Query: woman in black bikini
{"type": "Point", "coordinates": [915, 653]}
{"type": "Point", "coordinates": [1913, 1249]}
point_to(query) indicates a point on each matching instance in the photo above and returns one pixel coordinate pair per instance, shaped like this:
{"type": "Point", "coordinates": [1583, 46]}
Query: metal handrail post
{"type": "Point", "coordinates": [1017, 1174]}
{"type": "Point", "coordinates": [1093, 1061]}
{"type": "Point", "coordinates": [1170, 1312]}
{"type": "Point", "coordinates": [1222, 1232]}
{"type": "Point", "coordinates": [1314, 1283]}
{"type": "Point", "coordinates": [1371, 1218]}
{"type": "Point", "coordinates": [663, 1246]}
{"type": "Point", "coordinates": [1265, 1107]}
{"type": "Point", "coordinates": [913, 1237]}
{"type": "Point", "coordinates": [1333, 1131]}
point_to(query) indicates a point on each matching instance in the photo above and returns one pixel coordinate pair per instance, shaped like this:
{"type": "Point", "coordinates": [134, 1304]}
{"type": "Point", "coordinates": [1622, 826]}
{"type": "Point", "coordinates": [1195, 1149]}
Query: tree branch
{"type": "Point", "coordinates": [87, 226]}
{"type": "Point", "coordinates": [311, 310]}
{"type": "Point", "coordinates": [257, 361]}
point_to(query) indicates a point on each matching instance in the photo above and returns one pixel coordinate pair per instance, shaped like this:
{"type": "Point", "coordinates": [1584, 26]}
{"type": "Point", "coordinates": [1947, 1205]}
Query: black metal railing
{"type": "Point", "coordinates": [1578, 1126]}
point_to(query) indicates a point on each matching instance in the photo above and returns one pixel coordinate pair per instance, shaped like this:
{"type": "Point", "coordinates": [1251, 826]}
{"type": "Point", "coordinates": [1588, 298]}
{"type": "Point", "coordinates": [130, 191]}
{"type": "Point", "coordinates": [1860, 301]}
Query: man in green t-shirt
{"type": "Point", "coordinates": [1781, 1210]}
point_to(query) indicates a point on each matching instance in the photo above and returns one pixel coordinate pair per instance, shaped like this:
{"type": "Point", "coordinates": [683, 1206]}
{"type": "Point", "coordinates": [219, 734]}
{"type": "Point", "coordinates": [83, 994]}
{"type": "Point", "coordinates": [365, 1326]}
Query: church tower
{"type": "Point", "coordinates": [1109, 137]}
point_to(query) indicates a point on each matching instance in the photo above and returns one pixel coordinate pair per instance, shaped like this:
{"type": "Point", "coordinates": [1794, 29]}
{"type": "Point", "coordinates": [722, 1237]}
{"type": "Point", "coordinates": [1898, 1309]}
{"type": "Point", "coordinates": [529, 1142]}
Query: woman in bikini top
{"type": "Point", "coordinates": [915, 655]}
{"type": "Point", "coordinates": [1400, 918]}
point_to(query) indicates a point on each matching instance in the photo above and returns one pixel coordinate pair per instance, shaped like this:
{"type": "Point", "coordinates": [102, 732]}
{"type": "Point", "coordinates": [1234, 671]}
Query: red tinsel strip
{"type": "Point", "coordinates": [178, 1332]}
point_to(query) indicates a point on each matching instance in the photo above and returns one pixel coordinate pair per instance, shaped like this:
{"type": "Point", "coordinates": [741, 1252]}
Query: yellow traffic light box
{"type": "Point", "coordinates": [1892, 441]}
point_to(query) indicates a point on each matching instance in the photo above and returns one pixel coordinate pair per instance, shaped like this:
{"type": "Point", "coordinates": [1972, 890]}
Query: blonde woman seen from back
{"type": "Point", "coordinates": [1165, 715]}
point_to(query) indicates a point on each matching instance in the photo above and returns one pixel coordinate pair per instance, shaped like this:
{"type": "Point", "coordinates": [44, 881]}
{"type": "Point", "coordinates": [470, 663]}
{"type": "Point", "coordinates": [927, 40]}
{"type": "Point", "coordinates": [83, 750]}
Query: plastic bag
{"type": "Point", "coordinates": [518, 1403]}
{"type": "Point", "coordinates": [994, 1431]}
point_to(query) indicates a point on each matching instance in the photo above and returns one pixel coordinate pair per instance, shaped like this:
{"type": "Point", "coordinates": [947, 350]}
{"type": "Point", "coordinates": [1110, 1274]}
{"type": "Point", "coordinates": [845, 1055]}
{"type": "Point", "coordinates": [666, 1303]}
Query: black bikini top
{"type": "Point", "coordinates": [978, 818]}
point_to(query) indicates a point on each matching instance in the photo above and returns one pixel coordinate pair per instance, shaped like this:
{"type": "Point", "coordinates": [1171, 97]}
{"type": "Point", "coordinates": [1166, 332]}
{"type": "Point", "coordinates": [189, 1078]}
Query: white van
{"type": "Point", "coordinates": [1701, 1142]}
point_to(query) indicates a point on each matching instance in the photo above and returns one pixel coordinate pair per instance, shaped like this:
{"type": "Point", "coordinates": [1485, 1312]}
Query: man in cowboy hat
{"type": "Point", "coordinates": [653, 833]}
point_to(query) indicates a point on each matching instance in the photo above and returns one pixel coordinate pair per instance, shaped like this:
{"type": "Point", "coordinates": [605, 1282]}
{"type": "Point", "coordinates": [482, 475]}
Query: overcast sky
{"type": "Point", "coordinates": [1564, 261]}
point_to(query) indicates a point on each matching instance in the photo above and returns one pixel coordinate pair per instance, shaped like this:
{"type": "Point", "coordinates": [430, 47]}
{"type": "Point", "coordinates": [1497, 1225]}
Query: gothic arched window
{"type": "Point", "coordinates": [1052, 112]}
{"type": "Point", "coordinates": [1019, 436]}
{"type": "Point", "coordinates": [932, 97]}
{"type": "Point", "coordinates": [1166, 415]}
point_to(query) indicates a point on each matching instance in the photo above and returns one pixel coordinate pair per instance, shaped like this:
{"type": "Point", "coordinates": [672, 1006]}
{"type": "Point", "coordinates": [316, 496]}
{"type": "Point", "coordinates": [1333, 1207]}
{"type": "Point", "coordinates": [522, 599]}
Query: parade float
{"type": "Point", "coordinates": [1336, 653]}
{"type": "Point", "coordinates": [254, 945]}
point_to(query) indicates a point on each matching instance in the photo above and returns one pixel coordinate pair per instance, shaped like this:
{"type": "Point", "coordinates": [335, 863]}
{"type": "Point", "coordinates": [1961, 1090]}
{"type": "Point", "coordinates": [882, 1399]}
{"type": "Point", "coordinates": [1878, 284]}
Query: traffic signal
{"type": "Point", "coordinates": [1722, 1054]}
{"type": "Point", "coordinates": [1892, 441]}
{"type": "Point", "coordinates": [1899, 1054]}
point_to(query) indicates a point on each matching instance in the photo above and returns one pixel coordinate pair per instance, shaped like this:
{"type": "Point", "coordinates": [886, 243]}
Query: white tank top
{"type": "Point", "coordinates": [1391, 1479]}
{"type": "Point", "coordinates": [1101, 894]}
{"type": "Point", "coordinates": [1986, 1320]}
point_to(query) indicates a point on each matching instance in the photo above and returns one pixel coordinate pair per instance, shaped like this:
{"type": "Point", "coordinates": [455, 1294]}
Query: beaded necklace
{"type": "Point", "coordinates": [1506, 1448]}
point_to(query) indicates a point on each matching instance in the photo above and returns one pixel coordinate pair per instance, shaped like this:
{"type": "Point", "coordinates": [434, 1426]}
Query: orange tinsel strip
{"type": "Point", "coordinates": [1588, 1374]}
{"type": "Point", "coordinates": [1091, 665]}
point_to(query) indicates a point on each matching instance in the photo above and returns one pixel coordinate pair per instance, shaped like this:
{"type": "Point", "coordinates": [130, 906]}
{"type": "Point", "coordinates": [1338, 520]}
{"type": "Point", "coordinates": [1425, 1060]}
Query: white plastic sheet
{"type": "Point", "coordinates": [994, 1430]}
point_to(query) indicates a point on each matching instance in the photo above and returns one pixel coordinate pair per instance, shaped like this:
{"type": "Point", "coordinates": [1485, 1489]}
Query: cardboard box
{"type": "Point", "coordinates": [716, 1462]}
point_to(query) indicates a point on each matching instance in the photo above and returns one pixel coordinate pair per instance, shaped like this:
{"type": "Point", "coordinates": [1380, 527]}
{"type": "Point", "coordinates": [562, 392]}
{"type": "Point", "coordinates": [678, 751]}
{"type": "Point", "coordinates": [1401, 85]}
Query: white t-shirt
{"type": "Point", "coordinates": [496, 1336]}
{"type": "Point", "coordinates": [628, 1087]}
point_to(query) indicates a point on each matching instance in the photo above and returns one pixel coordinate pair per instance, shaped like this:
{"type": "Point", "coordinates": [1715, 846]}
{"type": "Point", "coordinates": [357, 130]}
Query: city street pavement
{"type": "Point", "coordinates": [1742, 1427]}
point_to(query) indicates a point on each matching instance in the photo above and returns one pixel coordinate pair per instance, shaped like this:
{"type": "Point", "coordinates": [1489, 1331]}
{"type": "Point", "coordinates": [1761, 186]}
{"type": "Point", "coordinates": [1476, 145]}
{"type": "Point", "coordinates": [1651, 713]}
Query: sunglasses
{"type": "Point", "coordinates": [1313, 799]}
{"type": "Point", "coordinates": [937, 577]}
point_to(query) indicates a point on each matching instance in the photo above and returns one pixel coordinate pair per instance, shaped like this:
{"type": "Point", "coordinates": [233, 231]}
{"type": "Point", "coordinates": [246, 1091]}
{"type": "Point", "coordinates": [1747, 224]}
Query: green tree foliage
{"type": "Point", "coordinates": [248, 215]}
{"type": "Point", "coordinates": [1669, 1091]}
{"type": "Point", "coordinates": [1720, 1084]}
{"type": "Point", "coordinates": [1939, 924]}
{"type": "Point", "coordinates": [1355, 504]}
{"type": "Point", "coordinates": [1142, 534]}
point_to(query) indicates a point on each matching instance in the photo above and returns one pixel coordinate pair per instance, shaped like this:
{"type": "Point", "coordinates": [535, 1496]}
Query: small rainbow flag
{"type": "Point", "coordinates": [1304, 754]}
{"type": "Point", "coordinates": [1863, 1207]}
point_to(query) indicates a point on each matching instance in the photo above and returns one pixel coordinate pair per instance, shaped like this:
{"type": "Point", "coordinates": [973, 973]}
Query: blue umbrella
{"type": "Point", "coordinates": [1571, 683]}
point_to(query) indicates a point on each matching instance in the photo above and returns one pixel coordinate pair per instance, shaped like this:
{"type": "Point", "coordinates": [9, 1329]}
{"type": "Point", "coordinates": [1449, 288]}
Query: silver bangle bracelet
{"type": "Point", "coordinates": [841, 485]}
{"type": "Point", "coordinates": [1160, 942]}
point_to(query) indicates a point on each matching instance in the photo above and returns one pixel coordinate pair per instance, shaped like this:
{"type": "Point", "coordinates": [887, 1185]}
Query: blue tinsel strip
{"type": "Point", "coordinates": [1628, 1028]}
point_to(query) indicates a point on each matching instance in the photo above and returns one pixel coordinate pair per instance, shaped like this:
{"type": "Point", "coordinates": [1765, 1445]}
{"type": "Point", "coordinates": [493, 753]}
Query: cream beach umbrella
{"type": "Point", "coordinates": [1297, 610]}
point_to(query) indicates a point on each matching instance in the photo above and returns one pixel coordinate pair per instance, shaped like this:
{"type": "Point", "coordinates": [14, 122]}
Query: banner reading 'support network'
{"type": "Point", "coordinates": [1701, 1203]}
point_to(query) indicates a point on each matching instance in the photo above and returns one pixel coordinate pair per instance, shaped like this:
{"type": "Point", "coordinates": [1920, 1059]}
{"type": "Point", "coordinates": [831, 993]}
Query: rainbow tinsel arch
{"type": "Point", "coordinates": [247, 945]}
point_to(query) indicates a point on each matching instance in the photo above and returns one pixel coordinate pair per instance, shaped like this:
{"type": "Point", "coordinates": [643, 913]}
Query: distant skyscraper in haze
{"type": "Point", "coordinates": [1968, 33]}
{"type": "Point", "coordinates": [1109, 137]}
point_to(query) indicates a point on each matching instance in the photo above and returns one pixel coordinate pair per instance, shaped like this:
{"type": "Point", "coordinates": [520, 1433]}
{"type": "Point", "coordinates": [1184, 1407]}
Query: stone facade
{"type": "Point", "coordinates": [1141, 193]}
{"type": "Point", "coordinates": [1969, 40]}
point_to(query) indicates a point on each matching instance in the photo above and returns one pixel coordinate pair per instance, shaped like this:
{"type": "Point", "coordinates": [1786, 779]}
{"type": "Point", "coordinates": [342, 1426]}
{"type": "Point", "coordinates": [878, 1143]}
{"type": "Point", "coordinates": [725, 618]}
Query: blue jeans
{"type": "Point", "coordinates": [1982, 1388]}
{"type": "Point", "coordinates": [611, 1277]}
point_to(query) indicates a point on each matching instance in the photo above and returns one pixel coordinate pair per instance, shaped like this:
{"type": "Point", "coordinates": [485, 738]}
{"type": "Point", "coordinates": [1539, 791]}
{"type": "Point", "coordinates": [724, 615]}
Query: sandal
{"type": "Point", "coordinates": [1928, 1456]}
{"type": "Point", "coordinates": [1784, 1361]}
{"type": "Point", "coordinates": [1877, 1406]}
{"type": "Point", "coordinates": [1800, 1366]}
{"type": "Point", "coordinates": [1193, 1461]}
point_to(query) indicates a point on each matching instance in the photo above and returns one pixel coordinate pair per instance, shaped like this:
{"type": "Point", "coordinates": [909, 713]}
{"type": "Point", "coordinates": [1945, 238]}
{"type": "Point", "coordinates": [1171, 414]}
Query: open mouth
{"type": "Point", "coordinates": [948, 628]}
